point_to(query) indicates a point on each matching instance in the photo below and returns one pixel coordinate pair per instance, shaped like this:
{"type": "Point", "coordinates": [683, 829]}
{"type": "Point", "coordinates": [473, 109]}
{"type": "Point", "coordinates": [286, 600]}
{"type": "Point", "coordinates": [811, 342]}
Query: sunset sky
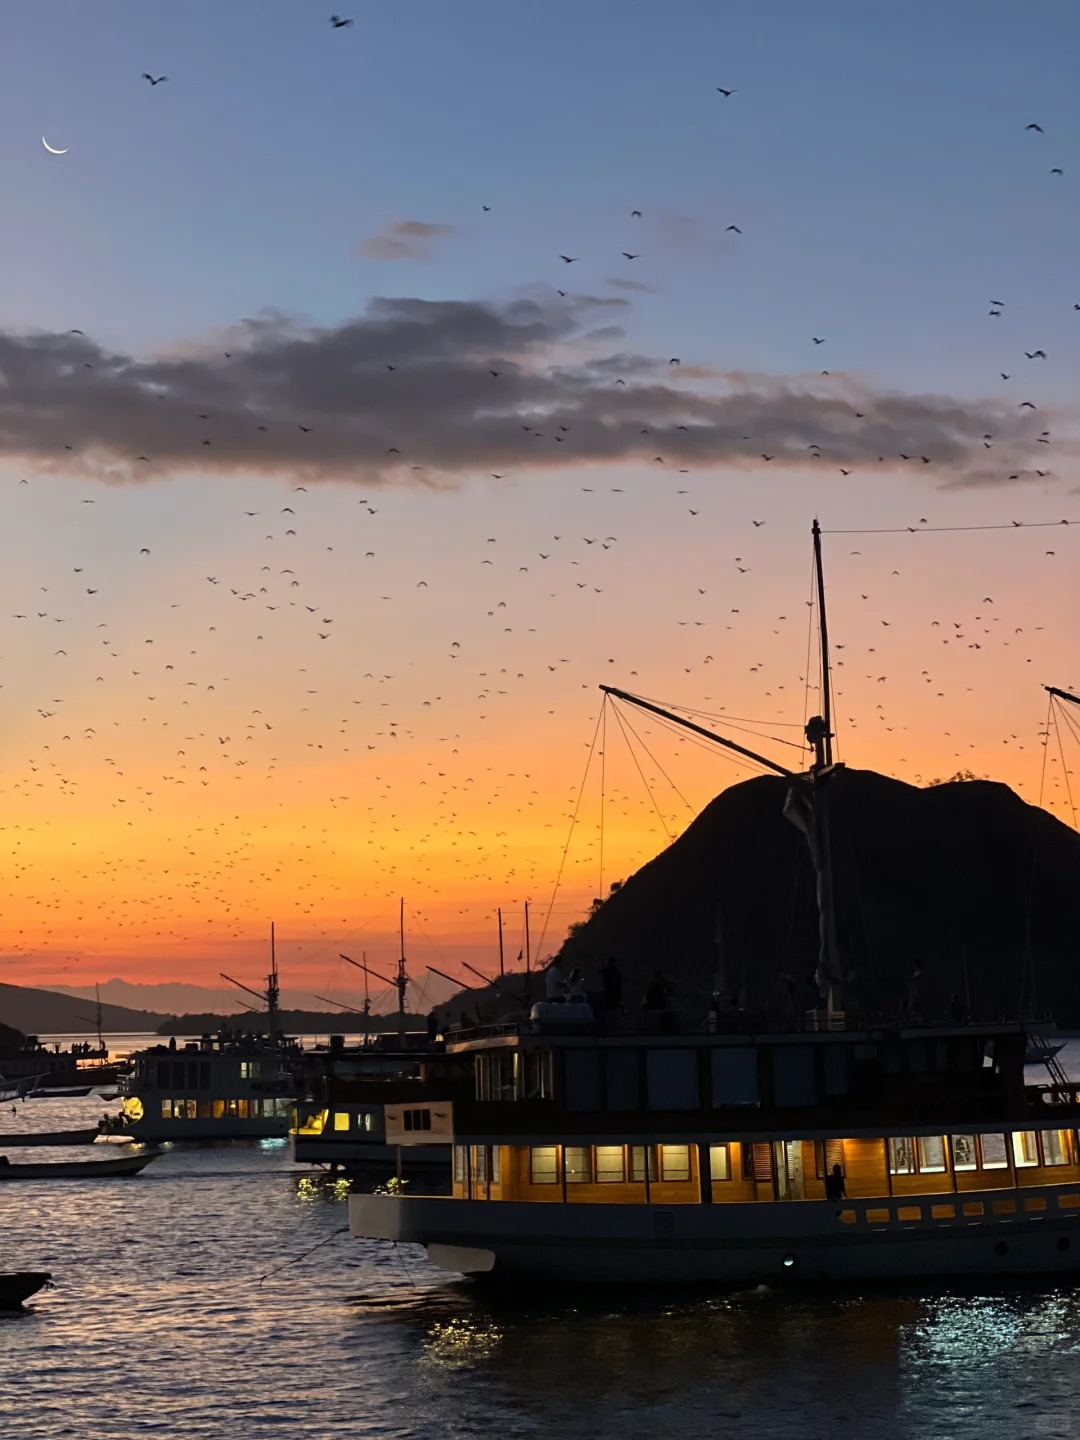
{"type": "Point", "coordinates": [304, 609]}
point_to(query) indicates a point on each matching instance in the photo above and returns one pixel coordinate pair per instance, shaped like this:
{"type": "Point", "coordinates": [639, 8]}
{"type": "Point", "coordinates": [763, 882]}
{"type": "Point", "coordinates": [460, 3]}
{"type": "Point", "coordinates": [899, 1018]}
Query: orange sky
{"type": "Point", "coordinates": [230, 767]}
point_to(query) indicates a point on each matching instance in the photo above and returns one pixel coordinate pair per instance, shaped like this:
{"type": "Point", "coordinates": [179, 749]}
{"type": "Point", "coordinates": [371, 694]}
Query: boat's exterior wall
{"type": "Point", "coordinates": [981, 1233]}
{"type": "Point", "coordinates": [266, 1127]}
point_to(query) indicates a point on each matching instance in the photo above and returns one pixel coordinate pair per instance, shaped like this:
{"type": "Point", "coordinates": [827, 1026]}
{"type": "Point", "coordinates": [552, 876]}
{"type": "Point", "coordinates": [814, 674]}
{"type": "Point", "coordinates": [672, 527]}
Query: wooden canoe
{"type": "Point", "coordinates": [49, 1137]}
{"type": "Point", "coordinates": [18, 1285]}
{"type": "Point", "coordinates": [78, 1169]}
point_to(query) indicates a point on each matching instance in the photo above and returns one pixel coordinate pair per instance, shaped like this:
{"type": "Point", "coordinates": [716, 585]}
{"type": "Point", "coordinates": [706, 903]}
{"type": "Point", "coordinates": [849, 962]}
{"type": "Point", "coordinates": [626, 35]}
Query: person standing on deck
{"type": "Point", "coordinates": [554, 984]}
{"type": "Point", "coordinates": [835, 1189]}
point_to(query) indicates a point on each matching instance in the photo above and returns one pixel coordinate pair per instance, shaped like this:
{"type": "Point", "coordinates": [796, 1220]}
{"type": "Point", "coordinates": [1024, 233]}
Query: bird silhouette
{"type": "Point", "coordinates": [153, 81]}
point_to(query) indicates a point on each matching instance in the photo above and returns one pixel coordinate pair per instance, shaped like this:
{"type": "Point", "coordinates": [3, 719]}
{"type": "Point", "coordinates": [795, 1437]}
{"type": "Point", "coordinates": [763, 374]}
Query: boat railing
{"type": "Point", "coordinates": [1000, 1207]}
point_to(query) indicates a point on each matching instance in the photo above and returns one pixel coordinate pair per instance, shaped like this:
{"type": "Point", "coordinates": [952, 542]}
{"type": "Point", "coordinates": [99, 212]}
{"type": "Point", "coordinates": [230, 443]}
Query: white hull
{"type": "Point", "coordinates": [766, 1243]}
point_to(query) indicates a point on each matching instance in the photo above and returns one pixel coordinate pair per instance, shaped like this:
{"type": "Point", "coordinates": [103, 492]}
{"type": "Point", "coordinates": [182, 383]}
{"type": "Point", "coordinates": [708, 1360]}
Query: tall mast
{"type": "Point", "coordinates": [502, 964]}
{"type": "Point", "coordinates": [367, 1001]}
{"type": "Point", "coordinates": [97, 1016]}
{"type": "Point", "coordinates": [1062, 694]}
{"type": "Point", "coordinates": [401, 980]}
{"type": "Point", "coordinates": [823, 629]}
{"type": "Point", "coordinates": [273, 994]}
{"type": "Point", "coordinates": [528, 956]}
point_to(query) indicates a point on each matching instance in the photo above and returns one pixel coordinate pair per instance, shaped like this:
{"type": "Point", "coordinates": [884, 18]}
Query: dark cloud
{"type": "Point", "coordinates": [416, 376]}
{"type": "Point", "coordinates": [404, 240]}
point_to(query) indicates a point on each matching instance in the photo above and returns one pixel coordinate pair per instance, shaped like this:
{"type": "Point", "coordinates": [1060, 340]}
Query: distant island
{"type": "Point", "coordinates": [293, 1022]}
{"type": "Point", "coordinates": [46, 1012]}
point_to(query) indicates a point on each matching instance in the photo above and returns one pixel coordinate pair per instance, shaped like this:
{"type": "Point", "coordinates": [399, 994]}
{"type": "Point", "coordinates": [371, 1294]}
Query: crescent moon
{"type": "Point", "coordinates": [50, 148]}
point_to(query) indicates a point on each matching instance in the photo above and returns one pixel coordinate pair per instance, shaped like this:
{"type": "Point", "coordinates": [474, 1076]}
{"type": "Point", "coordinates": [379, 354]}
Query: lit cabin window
{"type": "Point", "coordinates": [610, 1165]}
{"type": "Point", "coordinates": [494, 1165]}
{"type": "Point", "coordinates": [218, 1108]}
{"type": "Point", "coordinates": [249, 1069]}
{"type": "Point", "coordinates": [931, 1154]}
{"type": "Point", "coordinates": [341, 1120]}
{"type": "Point", "coordinates": [637, 1162]}
{"type": "Point", "coordinates": [965, 1156]}
{"type": "Point", "coordinates": [1025, 1149]}
{"type": "Point", "coordinates": [1055, 1147]}
{"type": "Point", "coordinates": [366, 1121]}
{"type": "Point", "coordinates": [544, 1165]}
{"type": "Point", "coordinates": [901, 1157]}
{"type": "Point", "coordinates": [992, 1149]}
{"type": "Point", "coordinates": [479, 1163]}
{"type": "Point", "coordinates": [459, 1163]}
{"type": "Point", "coordinates": [675, 1162]}
{"type": "Point", "coordinates": [719, 1162]}
{"type": "Point", "coordinates": [578, 1162]}
{"type": "Point", "coordinates": [166, 1109]}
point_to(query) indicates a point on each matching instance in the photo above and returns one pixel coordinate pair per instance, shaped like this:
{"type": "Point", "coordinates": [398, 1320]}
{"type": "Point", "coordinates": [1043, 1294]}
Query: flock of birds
{"type": "Point", "coordinates": [183, 728]}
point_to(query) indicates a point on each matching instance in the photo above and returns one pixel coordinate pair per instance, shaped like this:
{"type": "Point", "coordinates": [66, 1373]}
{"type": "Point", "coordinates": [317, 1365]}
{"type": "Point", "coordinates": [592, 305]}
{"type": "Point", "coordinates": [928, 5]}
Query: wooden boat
{"type": "Point", "coordinates": [49, 1137]}
{"type": "Point", "coordinates": [77, 1169]}
{"type": "Point", "coordinates": [18, 1285]}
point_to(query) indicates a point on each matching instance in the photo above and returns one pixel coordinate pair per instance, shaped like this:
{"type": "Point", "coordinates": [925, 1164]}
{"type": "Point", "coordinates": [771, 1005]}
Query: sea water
{"type": "Point", "coordinates": [216, 1297]}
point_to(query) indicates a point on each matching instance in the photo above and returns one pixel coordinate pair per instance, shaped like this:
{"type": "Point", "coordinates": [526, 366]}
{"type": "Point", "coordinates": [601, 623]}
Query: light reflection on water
{"type": "Point", "coordinates": [214, 1296]}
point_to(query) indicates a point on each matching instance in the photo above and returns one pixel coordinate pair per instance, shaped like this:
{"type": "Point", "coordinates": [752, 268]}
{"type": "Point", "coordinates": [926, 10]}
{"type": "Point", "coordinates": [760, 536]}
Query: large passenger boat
{"type": "Point", "coordinates": [660, 1148]}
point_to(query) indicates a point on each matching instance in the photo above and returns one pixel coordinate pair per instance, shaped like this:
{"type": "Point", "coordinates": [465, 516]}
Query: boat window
{"type": "Point", "coordinates": [578, 1162]}
{"type": "Point", "coordinates": [459, 1163]}
{"type": "Point", "coordinates": [828, 1153]}
{"type": "Point", "coordinates": [365, 1121]}
{"type": "Point", "coordinates": [675, 1162]}
{"type": "Point", "coordinates": [1025, 1148]}
{"type": "Point", "coordinates": [623, 1079]}
{"type": "Point", "coordinates": [582, 1080]}
{"type": "Point", "coordinates": [543, 1165]}
{"type": "Point", "coordinates": [734, 1075]}
{"type": "Point", "coordinates": [166, 1109]}
{"type": "Point", "coordinates": [538, 1073]}
{"type": "Point", "coordinates": [836, 1069]}
{"type": "Point", "coordinates": [671, 1079]}
{"type": "Point", "coordinates": [494, 1164]}
{"type": "Point", "coordinates": [930, 1150]}
{"type": "Point", "coordinates": [163, 1075]}
{"type": "Point", "coordinates": [249, 1069]}
{"type": "Point", "coordinates": [479, 1163]}
{"type": "Point", "coordinates": [610, 1165]}
{"type": "Point", "coordinates": [417, 1119]}
{"type": "Point", "coordinates": [993, 1151]}
{"type": "Point", "coordinates": [219, 1109]}
{"type": "Point", "coordinates": [719, 1162]}
{"type": "Point", "coordinates": [964, 1153]}
{"type": "Point", "coordinates": [901, 1156]}
{"type": "Point", "coordinates": [794, 1081]}
{"type": "Point", "coordinates": [341, 1119]}
{"type": "Point", "coordinates": [637, 1162]}
{"type": "Point", "coordinates": [202, 1110]}
{"type": "Point", "coordinates": [1055, 1147]}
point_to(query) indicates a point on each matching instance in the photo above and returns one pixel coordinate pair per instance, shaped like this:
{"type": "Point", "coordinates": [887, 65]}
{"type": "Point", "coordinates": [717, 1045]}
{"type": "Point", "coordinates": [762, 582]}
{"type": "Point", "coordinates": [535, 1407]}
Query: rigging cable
{"type": "Point", "coordinates": [1065, 774]}
{"type": "Point", "coordinates": [951, 529]}
{"type": "Point", "coordinates": [570, 834]}
{"type": "Point", "coordinates": [648, 788]}
{"type": "Point", "coordinates": [1046, 745]}
{"type": "Point", "coordinates": [809, 645]}
{"type": "Point", "coordinates": [652, 757]}
{"type": "Point", "coordinates": [603, 780]}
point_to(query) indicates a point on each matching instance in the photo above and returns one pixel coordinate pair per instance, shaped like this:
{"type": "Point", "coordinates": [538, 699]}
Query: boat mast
{"type": "Point", "coordinates": [823, 631]}
{"type": "Point", "coordinates": [528, 953]}
{"type": "Point", "coordinates": [401, 980]}
{"type": "Point", "coordinates": [273, 992]}
{"type": "Point", "coordinates": [1062, 694]}
{"type": "Point", "coordinates": [502, 965]}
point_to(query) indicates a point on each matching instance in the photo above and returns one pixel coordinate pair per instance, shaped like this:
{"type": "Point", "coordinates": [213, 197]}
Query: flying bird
{"type": "Point", "coordinates": [152, 80]}
{"type": "Point", "coordinates": [628, 256]}
{"type": "Point", "coordinates": [727, 94]}
{"type": "Point", "coordinates": [338, 23]}
{"type": "Point", "coordinates": [735, 228]}
{"type": "Point", "coordinates": [1033, 126]}
{"type": "Point", "coordinates": [569, 259]}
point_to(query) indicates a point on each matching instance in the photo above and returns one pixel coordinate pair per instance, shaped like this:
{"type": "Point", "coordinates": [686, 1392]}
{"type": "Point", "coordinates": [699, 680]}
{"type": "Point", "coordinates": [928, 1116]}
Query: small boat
{"type": "Point", "coordinates": [49, 1137]}
{"type": "Point", "coordinates": [77, 1169]}
{"type": "Point", "coordinates": [18, 1285]}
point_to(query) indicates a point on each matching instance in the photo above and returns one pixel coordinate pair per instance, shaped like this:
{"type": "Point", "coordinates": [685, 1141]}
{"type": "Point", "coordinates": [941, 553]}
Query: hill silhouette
{"type": "Point", "coordinates": [980, 887]}
{"type": "Point", "coordinates": [46, 1012]}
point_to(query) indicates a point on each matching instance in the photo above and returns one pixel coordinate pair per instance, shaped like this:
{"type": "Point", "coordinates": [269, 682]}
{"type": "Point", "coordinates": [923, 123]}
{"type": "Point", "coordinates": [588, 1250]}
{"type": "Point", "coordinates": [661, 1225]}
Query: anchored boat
{"type": "Point", "coordinates": [656, 1148]}
{"type": "Point", "coordinates": [18, 1285]}
{"type": "Point", "coordinates": [76, 1169]}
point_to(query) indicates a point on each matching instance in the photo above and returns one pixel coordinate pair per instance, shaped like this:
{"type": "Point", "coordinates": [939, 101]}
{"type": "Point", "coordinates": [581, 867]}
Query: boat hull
{"type": "Point", "coordinates": [229, 1128]}
{"type": "Point", "coordinates": [77, 1169]}
{"type": "Point", "coordinates": [49, 1137]}
{"type": "Point", "coordinates": [810, 1241]}
{"type": "Point", "coordinates": [18, 1285]}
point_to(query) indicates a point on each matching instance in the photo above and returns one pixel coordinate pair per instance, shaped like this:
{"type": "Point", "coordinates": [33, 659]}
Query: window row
{"type": "Point", "coordinates": [225, 1109]}
{"type": "Point", "coordinates": [363, 1121]}
{"type": "Point", "coordinates": [928, 1154]}
{"type": "Point", "coordinates": [615, 1164]}
{"type": "Point", "coordinates": [195, 1074]}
